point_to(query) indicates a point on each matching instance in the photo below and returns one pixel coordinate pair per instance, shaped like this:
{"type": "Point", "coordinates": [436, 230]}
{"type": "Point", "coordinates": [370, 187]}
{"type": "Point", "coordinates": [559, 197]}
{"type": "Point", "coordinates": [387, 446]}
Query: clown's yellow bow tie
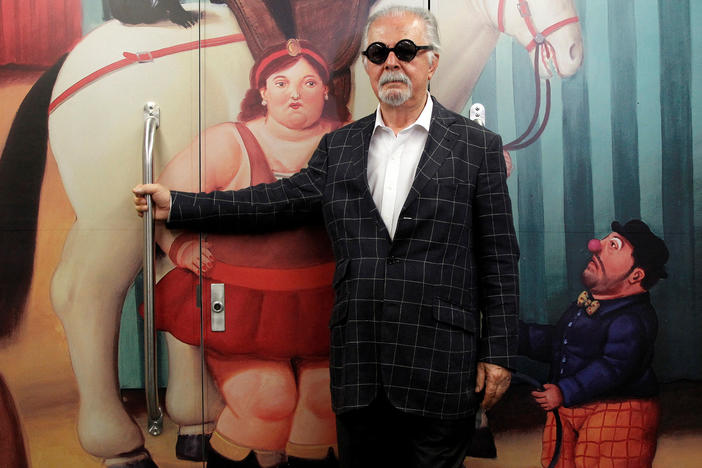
{"type": "Point", "coordinates": [588, 303]}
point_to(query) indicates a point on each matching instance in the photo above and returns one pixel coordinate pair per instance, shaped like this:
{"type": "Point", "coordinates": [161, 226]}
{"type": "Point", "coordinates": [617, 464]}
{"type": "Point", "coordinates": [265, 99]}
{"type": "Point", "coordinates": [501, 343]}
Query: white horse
{"type": "Point", "coordinates": [96, 135]}
{"type": "Point", "coordinates": [471, 28]}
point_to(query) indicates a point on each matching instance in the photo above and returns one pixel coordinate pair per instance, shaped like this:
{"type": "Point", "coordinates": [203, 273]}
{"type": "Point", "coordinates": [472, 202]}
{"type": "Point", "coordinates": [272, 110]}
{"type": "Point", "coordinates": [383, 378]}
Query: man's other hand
{"type": "Point", "coordinates": [160, 196]}
{"type": "Point", "coordinates": [495, 379]}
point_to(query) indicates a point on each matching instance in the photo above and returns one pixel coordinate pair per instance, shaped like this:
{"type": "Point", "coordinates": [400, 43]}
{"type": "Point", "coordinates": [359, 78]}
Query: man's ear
{"type": "Point", "coordinates": [434, 64]}
{"type": "Point", "coordinates": [637, 275]}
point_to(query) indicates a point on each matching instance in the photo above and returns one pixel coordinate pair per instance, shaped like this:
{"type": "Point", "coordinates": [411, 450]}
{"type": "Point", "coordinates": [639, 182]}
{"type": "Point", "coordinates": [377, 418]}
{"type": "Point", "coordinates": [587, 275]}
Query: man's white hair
{"type": "Point", "coordinates": [431, 28]}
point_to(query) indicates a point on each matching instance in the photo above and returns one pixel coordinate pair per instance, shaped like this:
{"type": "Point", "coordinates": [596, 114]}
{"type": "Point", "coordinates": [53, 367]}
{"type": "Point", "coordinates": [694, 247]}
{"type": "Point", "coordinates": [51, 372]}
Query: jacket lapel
{"type": "Point", "coordinates": [360, 168]}
{"type": "Point", "coordinates": [436, 150]}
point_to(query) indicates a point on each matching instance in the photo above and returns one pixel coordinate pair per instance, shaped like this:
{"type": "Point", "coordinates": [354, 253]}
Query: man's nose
{"type": "Point", "coordinates": [594, 246]}
{"type": "Point", "coordinates": [392, 61]}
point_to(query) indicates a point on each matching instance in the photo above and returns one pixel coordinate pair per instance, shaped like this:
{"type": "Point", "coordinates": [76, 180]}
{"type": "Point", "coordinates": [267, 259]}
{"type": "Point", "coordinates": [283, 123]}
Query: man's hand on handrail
{"type": "Point", "coordinates": [160, 196]}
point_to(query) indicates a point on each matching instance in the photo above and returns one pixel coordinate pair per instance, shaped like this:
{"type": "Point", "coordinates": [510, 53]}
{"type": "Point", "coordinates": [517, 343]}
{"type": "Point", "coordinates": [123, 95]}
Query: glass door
{"type": "Point", "coordinates": [71, 339]}
{"type": "Point", "coordinates": [276, 76]}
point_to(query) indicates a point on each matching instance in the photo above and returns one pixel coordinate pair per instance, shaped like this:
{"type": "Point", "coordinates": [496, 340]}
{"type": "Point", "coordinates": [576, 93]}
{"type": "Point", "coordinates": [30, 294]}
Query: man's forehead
{"type": "Point", "coordinates": [390, 29]}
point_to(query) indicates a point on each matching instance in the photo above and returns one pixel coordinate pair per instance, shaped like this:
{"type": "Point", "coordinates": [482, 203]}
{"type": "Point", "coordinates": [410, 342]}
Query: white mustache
{"type": "Point", "coordinates": [390, 76]}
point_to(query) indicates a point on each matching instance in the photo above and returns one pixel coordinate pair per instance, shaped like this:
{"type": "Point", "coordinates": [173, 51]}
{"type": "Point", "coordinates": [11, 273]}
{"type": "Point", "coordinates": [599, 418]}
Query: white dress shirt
{"type": "Point", "coordinates": [392, 163]}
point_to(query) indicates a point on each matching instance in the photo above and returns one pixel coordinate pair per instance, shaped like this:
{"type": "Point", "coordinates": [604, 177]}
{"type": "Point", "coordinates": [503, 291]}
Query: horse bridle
{"type": "Point", "coordinates": [538, 43]}
{"type": "Point", "coordinates": [525, 13]}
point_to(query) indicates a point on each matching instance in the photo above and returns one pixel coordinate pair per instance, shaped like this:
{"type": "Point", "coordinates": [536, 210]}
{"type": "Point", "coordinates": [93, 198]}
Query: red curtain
{"type": "Point", "coordinates": [38, 32]}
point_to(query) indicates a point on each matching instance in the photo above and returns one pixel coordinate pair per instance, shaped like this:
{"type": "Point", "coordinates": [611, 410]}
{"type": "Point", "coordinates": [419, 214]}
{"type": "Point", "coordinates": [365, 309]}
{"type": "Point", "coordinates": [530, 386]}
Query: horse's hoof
{"type": "Point", "coordinates": [139, 458]}
{"type": "Point", "coordinates": [193, 447]}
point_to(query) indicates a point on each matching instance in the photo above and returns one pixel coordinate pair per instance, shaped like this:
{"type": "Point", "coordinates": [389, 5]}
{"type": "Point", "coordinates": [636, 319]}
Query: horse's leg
{"type": "Point", "coordinates": [184, 398]}
{"type": "Point", "coordinates": [88, 290]}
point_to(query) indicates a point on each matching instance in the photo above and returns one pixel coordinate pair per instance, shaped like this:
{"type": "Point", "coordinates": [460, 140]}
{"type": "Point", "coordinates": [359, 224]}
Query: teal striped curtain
{"type": "Point", "coordinates": [624, 141]}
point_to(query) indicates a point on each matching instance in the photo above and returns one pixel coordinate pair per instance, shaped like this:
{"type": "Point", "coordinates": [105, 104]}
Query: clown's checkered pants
{"type": "Point", "coordinates": [619, 433]}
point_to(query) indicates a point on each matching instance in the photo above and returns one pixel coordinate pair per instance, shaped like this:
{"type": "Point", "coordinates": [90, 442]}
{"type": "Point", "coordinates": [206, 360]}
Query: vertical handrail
{"type": "Point", "coordinates": [476, 113]}
{"type": "Point", "coordinates": [152, 117]}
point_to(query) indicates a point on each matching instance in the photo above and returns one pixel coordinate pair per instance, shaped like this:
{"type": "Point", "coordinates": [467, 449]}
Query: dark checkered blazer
{"type": "Point", "coordinates": [407, 314]}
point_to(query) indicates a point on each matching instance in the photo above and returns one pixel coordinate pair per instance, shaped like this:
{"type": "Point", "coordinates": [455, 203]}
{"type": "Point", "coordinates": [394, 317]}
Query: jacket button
{"type": "Point", "coordinates": [392, 260]}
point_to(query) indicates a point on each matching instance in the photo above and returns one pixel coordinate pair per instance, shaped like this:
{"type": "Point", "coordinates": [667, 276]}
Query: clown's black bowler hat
{"type": "Point", "coordinates": [650, 252]}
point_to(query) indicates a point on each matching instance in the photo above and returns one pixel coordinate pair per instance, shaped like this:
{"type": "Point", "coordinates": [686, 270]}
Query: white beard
{"type": "Point", "coordinates": [394, 97]}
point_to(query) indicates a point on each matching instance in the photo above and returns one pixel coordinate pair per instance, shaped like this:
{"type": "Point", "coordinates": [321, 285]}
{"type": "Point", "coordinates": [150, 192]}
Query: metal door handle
{"type": "Point", "coordinates": [152, 117]}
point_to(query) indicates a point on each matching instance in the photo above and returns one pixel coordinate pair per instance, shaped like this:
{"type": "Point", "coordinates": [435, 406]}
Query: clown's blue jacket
{"type": "Point", "coordinates": [604, 355]}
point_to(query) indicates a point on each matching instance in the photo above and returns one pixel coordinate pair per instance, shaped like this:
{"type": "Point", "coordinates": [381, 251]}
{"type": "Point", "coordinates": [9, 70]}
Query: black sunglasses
{"type": "Point", "coordinates": [405, 50]}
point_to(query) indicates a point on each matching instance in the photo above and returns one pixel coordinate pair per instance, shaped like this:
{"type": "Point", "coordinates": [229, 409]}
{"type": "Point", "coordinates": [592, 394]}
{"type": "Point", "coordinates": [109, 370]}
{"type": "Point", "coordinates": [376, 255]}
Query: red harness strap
{"type": "Point", "coordinates": [544, 51]}
{"type": "Point", "coordinates": [554, 27]}
{"type": "Point", "coordinates": [141, 57]}
{"type": "Point", "coordinates": [525, 12]}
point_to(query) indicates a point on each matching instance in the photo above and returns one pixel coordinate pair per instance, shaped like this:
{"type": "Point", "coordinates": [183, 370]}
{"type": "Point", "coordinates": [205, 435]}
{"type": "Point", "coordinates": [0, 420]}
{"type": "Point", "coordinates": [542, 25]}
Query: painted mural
{"type": "Point", "coordinates": [598, 123]}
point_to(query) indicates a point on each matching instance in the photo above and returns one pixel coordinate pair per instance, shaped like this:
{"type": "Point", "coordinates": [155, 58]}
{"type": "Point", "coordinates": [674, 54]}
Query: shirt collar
{"type": "Point", "coordinates": [424, 119]}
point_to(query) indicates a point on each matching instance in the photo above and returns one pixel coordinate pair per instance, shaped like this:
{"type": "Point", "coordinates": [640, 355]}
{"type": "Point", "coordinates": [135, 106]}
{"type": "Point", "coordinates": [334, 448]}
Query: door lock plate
{"type": "Point", "coordinates": [217, 307]}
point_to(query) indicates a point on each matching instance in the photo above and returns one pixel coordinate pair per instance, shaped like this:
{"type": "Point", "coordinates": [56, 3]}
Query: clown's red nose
{"type": "Point", "coordinates": [594, 245]}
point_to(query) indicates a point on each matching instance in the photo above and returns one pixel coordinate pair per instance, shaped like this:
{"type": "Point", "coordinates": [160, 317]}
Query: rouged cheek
{"type": "Point", "coordinates": [313, 95]}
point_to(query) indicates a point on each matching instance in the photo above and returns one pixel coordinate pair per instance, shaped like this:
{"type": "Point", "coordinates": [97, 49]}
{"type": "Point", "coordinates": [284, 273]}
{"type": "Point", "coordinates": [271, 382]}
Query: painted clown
{"type": "Point", "coordinates": [602, 383]}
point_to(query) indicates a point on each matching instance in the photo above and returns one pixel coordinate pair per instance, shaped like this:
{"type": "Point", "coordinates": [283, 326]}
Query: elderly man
{"type": "Point", "coordinates": [601, 353]}
{"type": "Point", "coordinates": [415, 203]}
